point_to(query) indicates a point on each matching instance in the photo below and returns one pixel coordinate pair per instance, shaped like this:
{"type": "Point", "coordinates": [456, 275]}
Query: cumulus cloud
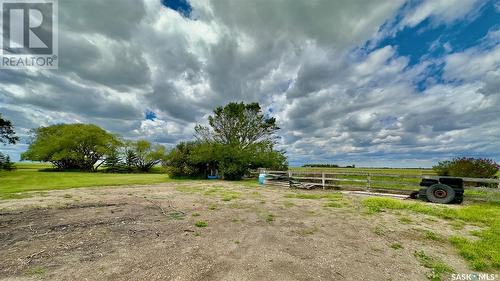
{"type": "Point", "coordinates": [303, 60]}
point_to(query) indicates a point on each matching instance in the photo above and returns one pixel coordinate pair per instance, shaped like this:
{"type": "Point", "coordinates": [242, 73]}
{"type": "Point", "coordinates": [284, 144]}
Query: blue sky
{"type": "Point", "coordinates": [372, 83]}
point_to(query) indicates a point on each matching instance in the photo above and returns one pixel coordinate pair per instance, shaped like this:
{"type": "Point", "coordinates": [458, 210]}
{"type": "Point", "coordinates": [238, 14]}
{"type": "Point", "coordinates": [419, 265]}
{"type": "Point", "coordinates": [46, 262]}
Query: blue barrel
{"type": "Point", "coordinates": [262, 179]}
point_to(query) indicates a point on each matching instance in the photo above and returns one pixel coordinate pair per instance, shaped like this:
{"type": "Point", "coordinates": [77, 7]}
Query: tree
{"type": "Point", "coordinates": [239, 125]}
{"type": "Point", "coordinates": [239, 137]}
{"type": "Point", "coordinates": [7, 134]}
{"type": "Point", "coordinates": [147, 155]}
{"type": "Point", "coordinates": [113, 162]}
{"type": "Point", "coordinates": [71, 146]}
{"type": "Point", "coordinates": [467, 167]}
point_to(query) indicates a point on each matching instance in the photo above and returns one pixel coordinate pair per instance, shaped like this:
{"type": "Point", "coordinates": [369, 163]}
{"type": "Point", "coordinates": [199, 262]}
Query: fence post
{"type": "Point", "coordinates": [289, 173]}
{"type": "Point", "coordinates": [368, 181]}
{"type": "Point", "coordinates": [323, 179]}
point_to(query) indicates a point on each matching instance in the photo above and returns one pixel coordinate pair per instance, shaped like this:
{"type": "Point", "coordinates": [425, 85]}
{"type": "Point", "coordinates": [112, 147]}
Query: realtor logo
{"type": "Point", "coordinates": [29, 34]}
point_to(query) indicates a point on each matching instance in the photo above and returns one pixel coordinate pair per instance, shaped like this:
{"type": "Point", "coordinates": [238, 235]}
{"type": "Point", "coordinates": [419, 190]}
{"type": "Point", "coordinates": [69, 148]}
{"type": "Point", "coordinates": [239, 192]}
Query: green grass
{"type": "Point", "coordinates": [482, 253]}
{"type": "Point", "coordinates": [36, 177]}
{"type": "Point", "coordinates": [37, 271]}
{"type": "Point", "coordinates": [405, 220]}
{"type": "Point", "coordinates": [315, 196]}
{"type": "Point", "coordinates": [437, 267]}
{"type": "Point", "coordinates": [396, 246]}
{"type": "Point", "coordinates": [430, 235]}
{"type": "Point", "coordinates": [269, 218]}
{"type": "Point", "coordinates": [201, 224]}
{"type": "Point", "coordinates": [307, 231]}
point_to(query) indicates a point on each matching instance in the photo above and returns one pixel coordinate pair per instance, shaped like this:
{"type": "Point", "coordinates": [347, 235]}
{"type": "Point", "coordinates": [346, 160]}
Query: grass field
{"type": "Point", "coordinates": [412, 172]}
{"type": "Point", "coordinates": [38, 177]}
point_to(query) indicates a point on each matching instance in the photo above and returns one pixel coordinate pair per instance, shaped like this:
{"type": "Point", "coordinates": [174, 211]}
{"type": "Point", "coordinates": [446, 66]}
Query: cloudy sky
{"type": "Point", "coordinates": [375, 83]}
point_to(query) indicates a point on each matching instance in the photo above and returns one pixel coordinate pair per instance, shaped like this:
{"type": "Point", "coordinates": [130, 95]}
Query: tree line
{"type": "Point", "coordinates": [238, 137]}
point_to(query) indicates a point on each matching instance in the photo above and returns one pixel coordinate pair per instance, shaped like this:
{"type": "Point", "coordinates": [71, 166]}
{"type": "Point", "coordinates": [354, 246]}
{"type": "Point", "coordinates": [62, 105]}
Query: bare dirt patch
{"type": "Point", "coordinates": [249, 233]}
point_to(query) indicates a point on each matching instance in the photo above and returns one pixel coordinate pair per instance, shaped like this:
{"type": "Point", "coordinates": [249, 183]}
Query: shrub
{"type": "Point", "coordinates": [467, 167]}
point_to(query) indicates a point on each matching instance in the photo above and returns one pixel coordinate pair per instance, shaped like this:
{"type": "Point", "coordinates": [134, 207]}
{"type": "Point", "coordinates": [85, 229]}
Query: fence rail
{"type": "Point", "coordinates": [376, 181]}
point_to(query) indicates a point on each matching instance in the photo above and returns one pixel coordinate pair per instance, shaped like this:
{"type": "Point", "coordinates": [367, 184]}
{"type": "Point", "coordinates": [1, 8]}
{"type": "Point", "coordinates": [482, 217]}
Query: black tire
{"type": "Point", "coordinates": [440, 193]}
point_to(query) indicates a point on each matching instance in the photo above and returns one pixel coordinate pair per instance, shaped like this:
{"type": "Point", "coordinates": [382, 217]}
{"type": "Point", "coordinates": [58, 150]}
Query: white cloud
{"type": "Point", "coordinates": [300, 59]}
{"type": "Point", "coordinates": [441, 11]}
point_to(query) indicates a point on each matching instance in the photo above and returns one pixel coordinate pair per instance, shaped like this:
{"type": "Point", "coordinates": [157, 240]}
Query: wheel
{"type": "Point", "coordinates": [440, 193]}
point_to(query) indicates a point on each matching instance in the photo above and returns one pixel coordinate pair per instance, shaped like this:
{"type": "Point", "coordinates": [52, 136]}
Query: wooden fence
{"type": "Point", "coordinates": [393, 183]}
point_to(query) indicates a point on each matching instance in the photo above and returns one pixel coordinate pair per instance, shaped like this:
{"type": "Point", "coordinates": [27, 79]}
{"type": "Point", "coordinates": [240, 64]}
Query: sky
{"type": "Point", "coordinates": [373, 83]}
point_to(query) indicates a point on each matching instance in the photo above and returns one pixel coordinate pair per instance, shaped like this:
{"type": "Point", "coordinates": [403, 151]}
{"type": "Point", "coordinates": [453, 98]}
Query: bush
{"type": "Point", "coordinates": [5, 163]}
{"type": "Point", "coordinates": [182, 163]}
{"type": "Point", "coordinates": [467, 167]}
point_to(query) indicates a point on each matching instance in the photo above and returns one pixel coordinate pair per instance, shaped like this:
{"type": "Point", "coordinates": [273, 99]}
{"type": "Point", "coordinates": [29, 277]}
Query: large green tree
{"type": "Point", "coordinates": [238, 137]}
{"type": "Point", "coordinates": [71, 146]}
{"type": "Point", "coordinates": [7, 133]}
{"type": "Point", "coordinates": [239, 125]}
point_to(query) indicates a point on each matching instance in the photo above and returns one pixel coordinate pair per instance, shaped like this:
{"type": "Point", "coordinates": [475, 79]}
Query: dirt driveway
{"type": "Point", "coordinates": [200, 230]}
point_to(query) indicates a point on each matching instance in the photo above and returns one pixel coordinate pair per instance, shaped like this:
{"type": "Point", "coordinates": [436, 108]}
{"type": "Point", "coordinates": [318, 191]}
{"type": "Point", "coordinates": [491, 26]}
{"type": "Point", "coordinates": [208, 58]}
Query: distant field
{"type": "Point", "coordinates": [33, 177]}
{"type": "Point", "coordinates": [412, 171]}
{"type": "Point", "coordinates": [395, 171]}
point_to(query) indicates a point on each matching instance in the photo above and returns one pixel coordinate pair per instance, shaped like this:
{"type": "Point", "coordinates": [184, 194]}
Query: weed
{"type": "Point", "coordinates": [307, 231]}
{"type": "Point", "coordinates": [405, 220]}
{"type": "Point", "coordinates": [457, 225]}
{"type": "Point", "coordinates": [196, 233]}
{"type": "Point", "coordinates": [269, 218]}
{"type": "Point", "coordinates": [288, 204]}
{"type": "Point", "coordinates": [315, 196]}
{"type": "Point", "coordinates": [333, 204]}
{"type": "Point", "coordinates": [437, 267]}
{"type": "Point", "coordinates": [237, 242]}
{"type": "Point", "coordinates": [396, 246]}
{"type": "Point", "coordinates": [212, 207]}
{"type": "Point", "coordinates": [201, 224]}
{"type": "Point", "coordinates": [68, 196]}
{"type": "Point", "coordinates": [432, 236]}
{"type": "Point", "coordinates": [36, 271]}
{"type": "Point", "coordinates": [176, 215]}
{"type": "Point", "coordinates": [379, 230]}
{"type": "Point", "coordinates": [195, 214]}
